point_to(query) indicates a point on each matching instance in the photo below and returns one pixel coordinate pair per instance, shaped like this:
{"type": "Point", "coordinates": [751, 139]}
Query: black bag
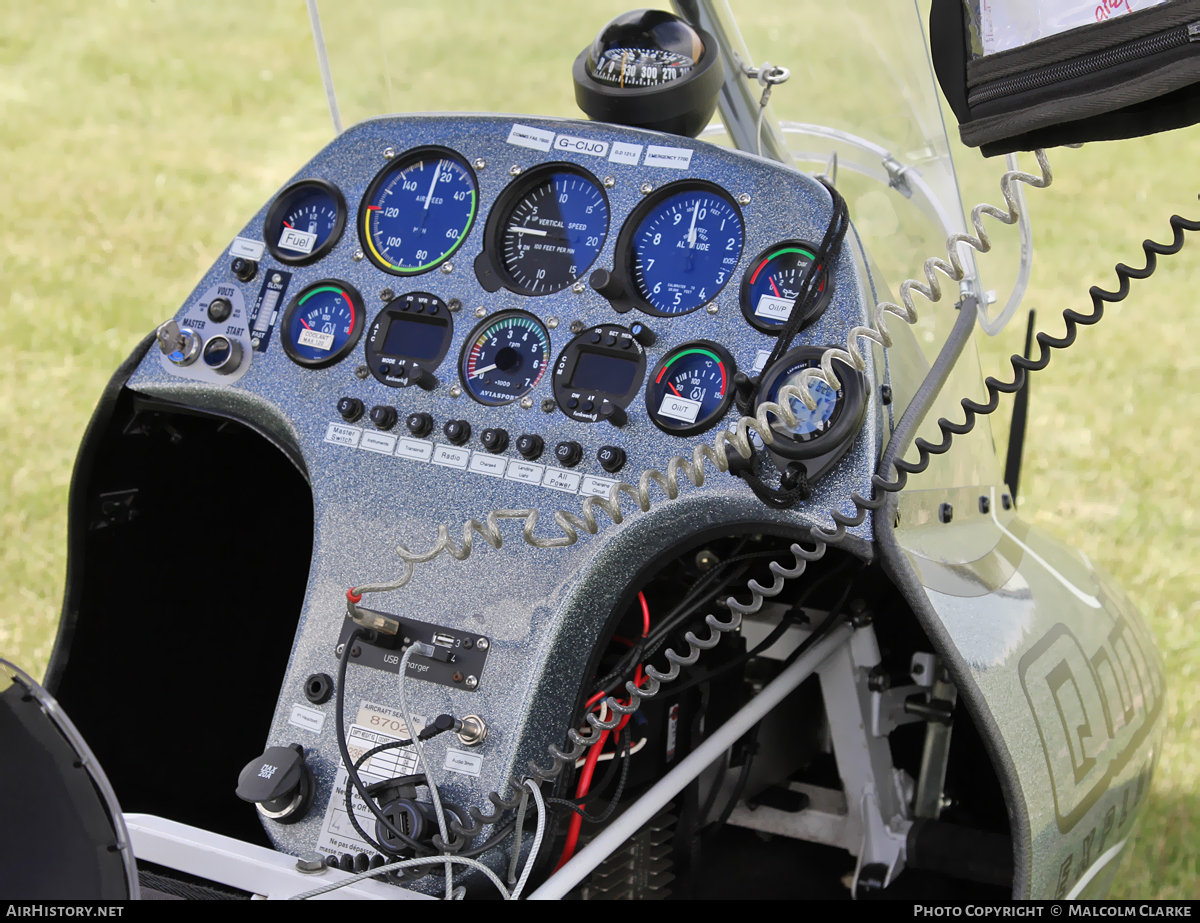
{"type": "Point", "coordinates": [1131, 75]}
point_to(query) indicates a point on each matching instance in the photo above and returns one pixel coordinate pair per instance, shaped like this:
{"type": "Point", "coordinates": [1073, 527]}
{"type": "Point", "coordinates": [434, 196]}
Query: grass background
{"type": "Point", "coordinates": [137, 136]}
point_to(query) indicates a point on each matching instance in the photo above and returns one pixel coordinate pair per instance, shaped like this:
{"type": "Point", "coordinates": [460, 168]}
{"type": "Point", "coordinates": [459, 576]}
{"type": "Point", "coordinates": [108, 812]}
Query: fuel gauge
{"type": "Point", "coordinates": [305, 222]}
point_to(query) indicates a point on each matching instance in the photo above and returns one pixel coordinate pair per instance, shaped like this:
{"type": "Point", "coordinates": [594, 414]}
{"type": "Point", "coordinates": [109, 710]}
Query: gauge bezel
{"type": "Point", "coordinates": [623, 253]}
{"type": "Point", "coordinates": [509, 198]}
{"type": "Point", "coordinates": [376, 359]}
{"type": "Point", "coordinates": [394, 165]}
{"type": "Point", "coordinates": [705, 423]}
{"type": "Point", "coordinates": [849, 413]}
{"type": "Point", "coordinates": [814, 313]}
{"type": "Point", "coordinates": [567, 361]}
{"type": "Point", "coordinates": [360, 315]}
{"type": "Point", "coordinates": [275, 216]}
{"type": "Point", "coordinates": [491, 321]}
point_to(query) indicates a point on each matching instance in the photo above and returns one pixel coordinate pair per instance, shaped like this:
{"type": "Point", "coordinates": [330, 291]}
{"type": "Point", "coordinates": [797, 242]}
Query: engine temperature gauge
{"type": "Point", "coordinates": [322, 324]}
{"type": "Point", "coordinates": [691, 388]}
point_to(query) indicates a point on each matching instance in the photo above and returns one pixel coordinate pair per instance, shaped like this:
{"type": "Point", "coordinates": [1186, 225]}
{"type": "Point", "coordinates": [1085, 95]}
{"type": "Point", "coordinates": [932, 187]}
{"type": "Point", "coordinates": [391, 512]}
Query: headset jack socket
{"type": "Point", "coordinates": [473, 731]}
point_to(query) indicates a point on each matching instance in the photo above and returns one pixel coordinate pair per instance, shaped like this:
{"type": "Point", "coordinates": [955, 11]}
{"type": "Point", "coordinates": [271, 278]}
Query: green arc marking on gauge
{"type": "Point", "coordinates": [325, 288]}
{"type": "Point", "coordinates": [777, 253]}
{"type": "Point", "coordinates": [687, 352]}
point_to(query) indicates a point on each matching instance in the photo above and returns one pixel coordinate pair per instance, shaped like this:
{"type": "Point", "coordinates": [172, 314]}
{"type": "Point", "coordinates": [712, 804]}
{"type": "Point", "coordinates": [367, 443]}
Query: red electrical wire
{"type": "Point", "coordinates": [593, 756]}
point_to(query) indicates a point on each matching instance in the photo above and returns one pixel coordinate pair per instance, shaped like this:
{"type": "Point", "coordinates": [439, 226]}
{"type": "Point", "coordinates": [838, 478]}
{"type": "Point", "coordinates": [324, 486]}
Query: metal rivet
{"type": "Point", "coordinates": [481, 312]}
{"type": "Point", "coordinates": [480, 163]}
{"type": "Point", "coordinates": [455, 391]}
{"type": "Point", "coordinates": [743, 199]}
{"type": "Point", "coordinates": [386, 295]}
{"type": "Point", "coordinates": [713, 308]}
{"type": "Point", "coordinates": [526, 403]}
{"type": "Point", "coordinates": [472, 682]}
{"type": "Point", "coordinates": [454, 305]}
{"type": "Point", "coordinates": [255, 343]}
{"type": "Point", "coordinates": [985, 505]}
{"type": "Point", "coordinates": [447, 268]}
{"type": "Point", "coordinates": [647, 188]}
{"type": "Point", "coordinates": [362, 371]}
{"type": "Point", "coordinates": [578, 288]}
{"type": "Point", "coordinates": [389, 152]}
{"type": "Point", "coordinates": [358, 255]}
{"type": "Point", "coordinates": [515, 169]}
{"type": "Point", "coordinates": [276, 278]}
{"type": "Point", "coordinates": [945, 512]}
{"type": "Point", "coordinates": [576, 326]}
{"type": "Point", "coordinates": [609, 182]}
{"type": "Point", "coordinates": [552, 323]}
{"type": "Point", "coordinates": [547, 405]}
{"type": "Point", "coordinates": [482, 644]}
{"type": "Point", "coordinates": [885, 393]}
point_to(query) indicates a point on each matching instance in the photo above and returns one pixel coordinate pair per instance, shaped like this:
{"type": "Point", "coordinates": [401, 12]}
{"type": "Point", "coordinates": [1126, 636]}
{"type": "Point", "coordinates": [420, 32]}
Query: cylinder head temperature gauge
{"type": "Point", "coordinates": [691, 388]}
{"type": "Point", "coordinates": [322, 324]}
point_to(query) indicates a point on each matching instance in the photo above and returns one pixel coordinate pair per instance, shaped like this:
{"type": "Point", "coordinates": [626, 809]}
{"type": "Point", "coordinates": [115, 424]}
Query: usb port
{"type": "Point", "coordinates": [443, 640]}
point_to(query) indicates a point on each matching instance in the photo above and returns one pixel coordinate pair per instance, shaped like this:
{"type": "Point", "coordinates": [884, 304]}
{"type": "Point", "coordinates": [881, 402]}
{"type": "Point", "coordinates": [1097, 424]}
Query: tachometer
{"type": "Point", "coordinates": [305, 222]}
{"type": "Point", "coordinates": [505, 358]}
{"type": "Point", "coordinates": [322, 324]}
{"type": "Point", "coordinates": [418, 211]}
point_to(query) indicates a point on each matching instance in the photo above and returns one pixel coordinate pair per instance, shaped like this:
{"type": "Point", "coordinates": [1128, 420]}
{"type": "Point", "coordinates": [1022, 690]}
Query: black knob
{"type": "Point", "coordinates": [219, 310]}
{"type": "Point", "coordinates": [643, 334]}
{"type": "Point", "coordinates": [350, 409]}
{"type": "Point", "coordinates": [280, 782]}
{"type": "Point", "coordinates": [569, 454]}
{"type": "Point", "coordinates": [244, 269]}
{"type": "Point", "coordinates": [613, 414]}
{"type": "Point", "coordinates": [607, 284]}
{"type": "Point", "coordinates": [457, 431]}
{"type": "Point", "coordinates": [494, 440]}
{"type": "Point", "coordinates": [611, 458]}
{"type": "Point", "coordinates": [382, 416]}
{"type": "Point", "coordinates": [423, 379]}
{"type": "Point", "coordinates": [419, 424]}
{"type": "Point", "coordinates": [530, 447]}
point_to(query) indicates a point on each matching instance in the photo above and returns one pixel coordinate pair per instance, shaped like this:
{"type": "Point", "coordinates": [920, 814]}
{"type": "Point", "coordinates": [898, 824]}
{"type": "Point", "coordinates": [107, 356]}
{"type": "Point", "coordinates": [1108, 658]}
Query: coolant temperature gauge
{"type": "Point", "coordinates": [322, 324]}
{"type": "Point", "coordinates": [691, 388]}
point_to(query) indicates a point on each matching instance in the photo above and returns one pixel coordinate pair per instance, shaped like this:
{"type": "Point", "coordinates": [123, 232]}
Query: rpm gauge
{"type": "Point", "coordinates": [547, 229]}
{"type": "Point", "coordinates": [683, 248]}
{"type": "Point", "coordinates": [505, 358]}
{"type": "Point", "coordinates": [418, 211]}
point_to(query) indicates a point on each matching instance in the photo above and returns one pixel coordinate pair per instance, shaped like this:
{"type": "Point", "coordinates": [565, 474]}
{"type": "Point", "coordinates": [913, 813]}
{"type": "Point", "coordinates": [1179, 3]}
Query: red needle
{"type": "Point", "coordinates": [673, 388]}
{"type": "Point", "coordinates": [305, 323]}
{"type": "Point", "coordinates": [286, 225]}
{"type": "Point", "coordinates": [773, 288]}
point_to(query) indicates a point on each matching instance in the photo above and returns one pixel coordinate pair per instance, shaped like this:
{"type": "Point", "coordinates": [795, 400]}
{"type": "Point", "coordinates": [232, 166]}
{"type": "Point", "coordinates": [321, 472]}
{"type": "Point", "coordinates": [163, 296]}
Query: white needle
{"type": "Point", "coordinates": [479, 372]}
{"type": "Point", "coordinates": [692, 229]}
{"type": "Point", "coordinates": [520, 230]}
{"type": "Point", "coordinates": [429, 194]}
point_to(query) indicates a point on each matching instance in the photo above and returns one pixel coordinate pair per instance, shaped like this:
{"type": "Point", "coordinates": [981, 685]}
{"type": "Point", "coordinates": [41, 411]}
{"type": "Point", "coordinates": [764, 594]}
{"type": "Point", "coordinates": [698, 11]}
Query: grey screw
{"type": "Point", "coordinates": [386, 295]}
{"type": "Point", "coordinates": [743, 199]}
{"type": "Point", "coordinates": [548, 405]}
{"type": "Point", "coordinates": [276, 278]}
{"type": "Point", "coordinates": [255, 343]}
{"type": "Point", "coordinates": [480, 163]}
{"type": "Point", "coordinates": [362, 371]}
{"type": "Point", "coordinates": [447, 268]}
{"type": "Point", "coordinates": [945, 512]}
{"type": "Point", "coordinates": [472, 682]}
{"type": "Point", "coordinates": [455, 391]}
{"type": "Point", "coordinates": [340, 649]}
{"type": "Point", "coordinates": [552, 322]}
{"type": "Point", "coordinates": [578, 288]}
{"type": "Point", "coordinates": [713, 308]}
{"type": "Point", "coordinates": [310, 863]}
{"type": "Point", "coordinates": [454, 305]}
{"type": "Point", "coordinates": [481, 312]}
{"type": "Point", "coordinates": [358, 256]}
{"type": "Point", "coordinates": [609, 182]}
{"type": "Point", "coordinates": [482, 644]}
{"type": "Point", "coordinates": [526, 403]}
{"type": "Point", "coordinates": [515, 169]}
{"type": "Point", "coordinates": [647, 188]}
{"type": "Point", "coordinates": [577, 326]}
{"type": "Point", "coordinates": [389, 152]}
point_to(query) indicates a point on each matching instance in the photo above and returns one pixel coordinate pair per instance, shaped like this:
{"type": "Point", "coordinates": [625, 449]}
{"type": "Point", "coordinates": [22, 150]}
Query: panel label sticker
{"type": "Point", "coordinates": [307, 718]}
{"type": "Point", "coordinates": [378, 442]}
{"type": "Point", "coordinates": [450, 457]}
{"type": "Point", "coordinates": [774, 308]}
{"type": "Point", "coordinates": [679, 408]}
{"type": "Point", "coordinates": [526, 472]}
{"type": "Point", "coordinates": [581, 146]}
{"type": "Point", "coordinates": [596, 487]}
{"type": "Point", "coordinates": [339, 434]}
{"type": "Point", "coordinates": [625, 153]}
{"type": "Point", "coordinates": [760, 360]}
{"type": "Point", "coordinates": [469, 764]}
{"type": "Point", "coordinates": [674, 158]}
{"type": "Point", "coordinates": [558, 479]}
{"type": "Point", "coordinates": [316, 339]}
{"type": "Point", "coordinates": [416, 449]}
{"type": "Point", "coordinates": [295, 239]}
{"type": "Point", "coordinates": [534, 138]}
{"type": "Point", "coordinates": [246, 248]}
{"type": "Point", "coordinates": [491, 465]}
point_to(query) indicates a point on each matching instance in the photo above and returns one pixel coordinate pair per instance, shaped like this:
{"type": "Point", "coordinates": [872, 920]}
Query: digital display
{"type": "Point", "coordinates": [411, 337]}
{"type": "Point", "coordinates": [603, 372]}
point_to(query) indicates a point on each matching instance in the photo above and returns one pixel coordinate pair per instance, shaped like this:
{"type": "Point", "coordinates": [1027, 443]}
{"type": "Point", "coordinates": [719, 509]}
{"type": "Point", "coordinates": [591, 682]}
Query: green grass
{"type": "Point", "coordinates": [138, 136]}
